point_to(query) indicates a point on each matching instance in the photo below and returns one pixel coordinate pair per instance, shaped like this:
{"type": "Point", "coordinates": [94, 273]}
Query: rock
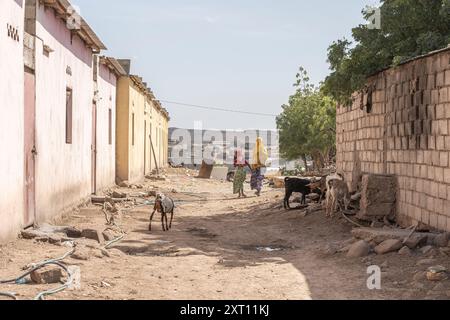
{"type": "Point", "coordinates": [418, 286]}
{"type": "Point", "coordinates": [81, 253]}
{"type": "Point", "coordinates": [47, 275]}
{"type": "Point", "coordinates": [426, 262]}
{"type": "Point", "coordinates": [405, 251]}
{"type": "Point", "coordinates": [380, 235]}
{"type": "Point", "coordinates": [445, 251]}
{"type": "Point", "coordinates": [32, 234]}
{"type": "Point", "coordinates": [55, 239]}
{"type": "Point", "coordinates": [437, 273]}
{"type": "Point", "coordinates": [73, 233]}
{"type": "Point", "coordinates": [119, 195]}
{"type": "Point", "coordinates": [359, 249]}
{"type": "Point", "coordinates": [426, 250]}
{"type": "Point", "coordinates": [385, 265]}
{"type": "Point", "coordinates": [93, 235]}
{"type": "Point", "coordinates": [378, 196]}
{"type": "Point", "coordinates": [109, 235]}
{"type": "Point", "coordinates": [416, 240]}
{"type": "Point", "coordinates": [377, 224]}
{"type": "Point", "coordinates": [98, 254]}
{"type": "Point", "coordinates": [388, 246]}
{"type": "Point", "coordinates": [441, 240]}
{"type": "Point", "coordinates": [124, 184]}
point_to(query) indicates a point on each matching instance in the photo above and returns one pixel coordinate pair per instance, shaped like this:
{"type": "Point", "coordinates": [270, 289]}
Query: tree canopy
{"type": "Point", "coordinates": [409, 28]}
{"type": "Point", "coordinates": [307, 123]}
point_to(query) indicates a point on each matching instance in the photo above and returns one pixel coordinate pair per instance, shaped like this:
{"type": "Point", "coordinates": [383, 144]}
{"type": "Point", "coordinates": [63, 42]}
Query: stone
{"type": "Point", "coordinates": [377, 224]}
{"type": "Point", "coordinates": [47, 275]}
{"type": "Point", "coordinates": [33, 234]}
{"type": "Point", "coordinates": [385, 265]}
{"type": "Point", "coordinates": [73, 233]}
{"type": "Point", "coordinates": [359, 249]}
{"type": "Point", "coordinates": [426, 262]}
{"type": "Point", "coordinates": [378, 196]}
{"type": "Point", "coordinates": [416, 240]}
{"type": "Point", "coordinates": [437, 273]}
{"type": "Point", "coordinates": [93, 234]}
{"type": "Point", "coordinates": [405, 251]}
{"type": "Point", "coordinates": [426, 250]}
{"type": "Point", "coordinates": [119, 195]}
{"type": "Point", "coordinates": [81, 253]}
{"type": "Point", "coordinates": [124, 184]}
{"type": "Point", "coordinates": [109, 235]}
{"type": "Point", "coordinates": [380, 235]}
{"type": "Point", "coordinates": [441, 240]}
{"type": "Point", "coordinates": [388, 246]}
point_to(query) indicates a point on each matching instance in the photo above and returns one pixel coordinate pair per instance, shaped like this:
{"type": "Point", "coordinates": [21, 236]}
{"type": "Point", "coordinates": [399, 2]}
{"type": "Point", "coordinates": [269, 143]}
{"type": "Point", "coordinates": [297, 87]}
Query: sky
{"type": "Point", "coordinates": [233, 54]}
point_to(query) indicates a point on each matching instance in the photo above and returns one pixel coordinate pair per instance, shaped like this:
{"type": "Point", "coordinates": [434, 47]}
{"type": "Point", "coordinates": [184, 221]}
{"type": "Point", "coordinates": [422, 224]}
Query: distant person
{"type": "Point", "coordinates": [239, 177]}
{"type": "Point", "coordinates": [260, 157]}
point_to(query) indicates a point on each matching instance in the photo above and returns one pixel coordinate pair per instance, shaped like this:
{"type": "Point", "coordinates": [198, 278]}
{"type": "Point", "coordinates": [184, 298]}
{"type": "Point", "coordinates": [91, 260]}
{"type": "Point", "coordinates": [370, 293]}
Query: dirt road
{"type": "Point", "coordinates": [222, 248]}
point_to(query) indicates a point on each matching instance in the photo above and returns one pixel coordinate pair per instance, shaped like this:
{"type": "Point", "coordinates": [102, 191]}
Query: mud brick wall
{"type": "Point", "coordinates": [406, 133]}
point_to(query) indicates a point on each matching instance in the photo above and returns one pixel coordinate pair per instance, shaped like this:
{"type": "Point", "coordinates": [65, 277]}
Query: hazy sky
{"type": "Point", "coordinates": [238, 54]}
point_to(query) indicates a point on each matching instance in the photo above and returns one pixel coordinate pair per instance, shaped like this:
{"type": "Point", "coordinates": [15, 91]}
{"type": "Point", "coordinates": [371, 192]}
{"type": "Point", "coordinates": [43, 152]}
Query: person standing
{"type": "Point", "coordinates": [260, 157]}
{"type": "Point", "coordinates": [239, 177]}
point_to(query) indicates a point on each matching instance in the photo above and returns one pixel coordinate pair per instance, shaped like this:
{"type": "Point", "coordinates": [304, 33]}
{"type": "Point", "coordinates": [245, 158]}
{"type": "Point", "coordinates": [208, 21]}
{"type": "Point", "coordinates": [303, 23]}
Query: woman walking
{"type": "Point", "coordinates": [239, 177]}
{"type": "Point", "coordinates": [260, 157]}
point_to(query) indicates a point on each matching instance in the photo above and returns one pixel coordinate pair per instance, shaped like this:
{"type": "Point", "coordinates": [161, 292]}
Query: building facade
{"type": "Point", "coordinates": [106, 73]}
{"type": "Point", "coordinates": [12, 98]}
{"type": "Point", "coordinates": [61, 118]}
{"type": "Point", "coordinates": [141, 129]}
{"type": "Point", "coordinates": [400, 126]}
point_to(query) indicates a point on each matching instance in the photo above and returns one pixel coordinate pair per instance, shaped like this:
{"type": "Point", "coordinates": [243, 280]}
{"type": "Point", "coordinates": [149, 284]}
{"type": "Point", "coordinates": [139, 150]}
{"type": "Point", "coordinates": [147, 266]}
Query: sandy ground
{"type": "Point", "coordinates": [224, 248]}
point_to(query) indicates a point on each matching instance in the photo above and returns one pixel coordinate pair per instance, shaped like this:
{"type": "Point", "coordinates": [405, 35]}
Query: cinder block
{"type": "Point", "coordinates": [442, 191]}
{"type": "Point", "coordinates": [444, 159]}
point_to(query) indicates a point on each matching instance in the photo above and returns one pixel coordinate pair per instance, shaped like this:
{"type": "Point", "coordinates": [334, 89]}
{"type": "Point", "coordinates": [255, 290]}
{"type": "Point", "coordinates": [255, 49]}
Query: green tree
{"type": "Point", "coordinates": [409, 28]}
{"type": "Point", "coordinates": [307, 123]}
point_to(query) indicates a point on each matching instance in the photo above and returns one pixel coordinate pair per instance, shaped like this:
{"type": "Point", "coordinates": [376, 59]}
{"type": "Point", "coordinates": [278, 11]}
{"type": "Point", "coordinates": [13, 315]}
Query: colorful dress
{"type": "Point", "coordinates": [239, 179]}
{"type": "Point", "coordinates": [257, 180]}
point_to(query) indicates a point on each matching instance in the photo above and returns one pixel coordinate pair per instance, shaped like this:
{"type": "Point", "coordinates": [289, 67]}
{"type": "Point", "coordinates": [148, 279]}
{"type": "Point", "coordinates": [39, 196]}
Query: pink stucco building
{"type": "Point", "coordinates": [58, 135]}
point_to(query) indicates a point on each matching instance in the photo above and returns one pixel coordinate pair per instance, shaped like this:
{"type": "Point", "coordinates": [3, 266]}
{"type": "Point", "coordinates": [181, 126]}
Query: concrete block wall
{"type": "Point", "coordinates": [407, 134]}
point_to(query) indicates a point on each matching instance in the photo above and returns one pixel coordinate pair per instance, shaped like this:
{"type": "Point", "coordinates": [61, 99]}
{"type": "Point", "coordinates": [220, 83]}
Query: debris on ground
{"type": "Point", "coordinates": [47, 275]}
{"type": "Point", "coordinates": [437, 273]}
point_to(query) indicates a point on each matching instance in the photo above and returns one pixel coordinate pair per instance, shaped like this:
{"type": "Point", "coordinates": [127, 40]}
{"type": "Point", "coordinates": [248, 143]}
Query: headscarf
{"type": "Point", "coordinates": [239, 158]}
{"type": "Point", "coordinates": [260, 154]}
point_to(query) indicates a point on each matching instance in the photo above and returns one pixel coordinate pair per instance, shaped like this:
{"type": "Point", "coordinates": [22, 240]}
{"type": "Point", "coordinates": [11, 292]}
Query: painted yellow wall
{"type": "Point", "coordinates": [135, 160]}
{"type": "Point", "coordinates": [122, 128]}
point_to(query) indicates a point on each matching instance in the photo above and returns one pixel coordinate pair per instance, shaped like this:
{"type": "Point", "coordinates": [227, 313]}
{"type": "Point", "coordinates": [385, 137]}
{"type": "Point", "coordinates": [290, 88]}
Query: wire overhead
{"type": "Point", "coordinates": [219, 109]}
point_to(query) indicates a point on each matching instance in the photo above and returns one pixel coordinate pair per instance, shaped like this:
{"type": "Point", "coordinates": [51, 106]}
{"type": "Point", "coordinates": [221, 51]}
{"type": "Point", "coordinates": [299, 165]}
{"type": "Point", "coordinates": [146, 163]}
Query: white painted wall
{"type": "Point", "coordinates": [12, 120]}
{"type": "Point", "coordinates": [106, 153]}
{"type": "Point", "coordinates": [63, 171]}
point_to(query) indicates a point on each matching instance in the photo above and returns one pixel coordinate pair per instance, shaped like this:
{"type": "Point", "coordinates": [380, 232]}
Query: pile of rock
{"type": "Point", "coordinates": [386, 240]}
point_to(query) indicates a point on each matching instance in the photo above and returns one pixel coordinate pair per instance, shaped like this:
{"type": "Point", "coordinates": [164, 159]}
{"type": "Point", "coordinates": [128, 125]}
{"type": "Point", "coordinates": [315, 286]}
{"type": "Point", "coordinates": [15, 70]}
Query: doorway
{"type": "Point", "coordinates": [30, 148]}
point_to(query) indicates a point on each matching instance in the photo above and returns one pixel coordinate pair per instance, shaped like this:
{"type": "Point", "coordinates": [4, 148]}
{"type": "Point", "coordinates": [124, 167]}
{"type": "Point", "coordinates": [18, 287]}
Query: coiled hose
{"type": "Point", "coordinates": [37, 266]}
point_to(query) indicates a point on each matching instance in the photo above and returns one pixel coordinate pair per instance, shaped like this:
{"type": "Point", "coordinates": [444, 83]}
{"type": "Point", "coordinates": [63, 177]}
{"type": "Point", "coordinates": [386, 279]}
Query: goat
{"type": "Point", "coordinates": [338, 193]}
{"type": "Point", "coordinates": [297, 185]}
{"type": "Point", "coordinates": [320, 186]}
{"type": "Point", "coordinates": [164, 205]}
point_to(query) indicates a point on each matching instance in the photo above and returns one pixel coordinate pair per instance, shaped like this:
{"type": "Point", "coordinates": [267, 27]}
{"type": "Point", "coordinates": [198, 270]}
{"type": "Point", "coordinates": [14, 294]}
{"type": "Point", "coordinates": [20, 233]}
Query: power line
{"type": "Point", "coordinates": [219, 109]}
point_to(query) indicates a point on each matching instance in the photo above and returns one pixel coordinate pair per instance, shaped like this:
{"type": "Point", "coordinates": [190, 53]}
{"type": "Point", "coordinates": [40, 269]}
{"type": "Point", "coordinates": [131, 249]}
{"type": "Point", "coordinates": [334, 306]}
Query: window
{"type": "Point", "coordinates": [110, 126]}
{"type": "Point", "coordinates": [132, 129]}
{"type": "Point", "coordinates": [69, 101]}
